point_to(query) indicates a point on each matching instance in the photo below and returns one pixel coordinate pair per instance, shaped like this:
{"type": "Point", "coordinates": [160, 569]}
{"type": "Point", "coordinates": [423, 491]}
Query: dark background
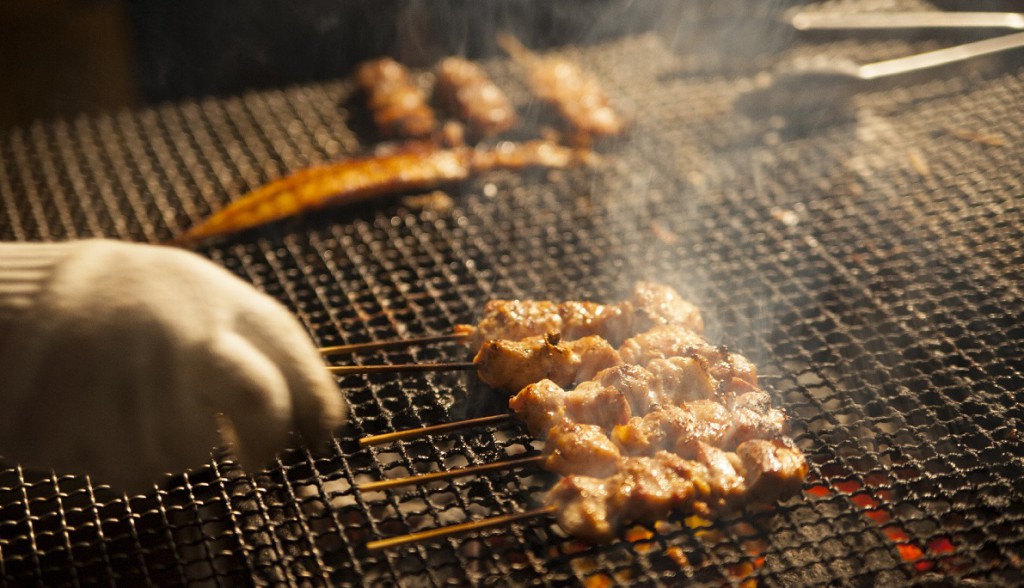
{"type": "Point", "coordinates": [63, 57]}
{"type": "Point", "coordinates": [60, 57]}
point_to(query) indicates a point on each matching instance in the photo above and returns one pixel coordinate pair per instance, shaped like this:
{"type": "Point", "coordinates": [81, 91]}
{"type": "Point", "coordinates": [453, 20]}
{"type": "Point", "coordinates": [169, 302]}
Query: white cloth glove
{"type": "Point", "coordinates": [116, 358]}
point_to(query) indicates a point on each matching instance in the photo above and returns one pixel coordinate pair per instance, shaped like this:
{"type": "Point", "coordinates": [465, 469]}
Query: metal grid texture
{"type": "Point", "coordinates": [870, 266]}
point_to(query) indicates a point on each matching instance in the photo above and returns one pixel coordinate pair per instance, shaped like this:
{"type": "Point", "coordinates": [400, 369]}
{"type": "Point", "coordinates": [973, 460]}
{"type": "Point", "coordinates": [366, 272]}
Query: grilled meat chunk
{"type": "Point", "coordinates": [680, 379]}
{"type": "Point", "coordinates": [774, 468]}
{"type": "Point", "coordinates": [574, 94]}
{"type": "Point", "coordinates": [399, 107]}
{"type": "Point", "coordinates": [582, 503]}
{"type": "Point", "coordinates": [672, 341]}
{"type": "Point", "coordinates": [575, 448]}
{"type": "Point", "coordinates": [636, 384]}
{"type": "Point", "coordinates": [657, 304]}
{"type": "Point", "coordinates": [465, 89]}
{"type": "Point", "coordinates": [512, 365]}
{"type": "Point", "coordinates": [544, 404]}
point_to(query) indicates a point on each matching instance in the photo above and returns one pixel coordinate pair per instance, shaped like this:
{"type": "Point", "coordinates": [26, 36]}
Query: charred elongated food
{"type": "Point", "coordinates": [465, 89]}
{"type": "Point", "coordinates": [573, 93]}
{"type": "Point", "coordinates": [399, 107]}
{"type": "Point", "coordinates": [417, 167]}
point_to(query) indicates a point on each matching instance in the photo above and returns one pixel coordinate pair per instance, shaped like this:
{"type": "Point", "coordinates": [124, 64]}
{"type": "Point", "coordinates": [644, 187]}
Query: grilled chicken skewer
{"type": "Point", "coordinates": [415, 167]}
{"type": "Point", "coordinates": [541, 370]}
{"type": "Point", "coordinates": [646, 489]}
{"type": "Point", "coordinates": [690, 432]}
{"type": "Point", "coordinates": [574, 94]}
{"type": "Point", "coordinates": [677, 460]}
{"type": "Point", "coordinates": [509, 365]}
{"type": "Point", "coordinates": [628, 410]}
{"type": "Point", "coordinates": [649, 305]}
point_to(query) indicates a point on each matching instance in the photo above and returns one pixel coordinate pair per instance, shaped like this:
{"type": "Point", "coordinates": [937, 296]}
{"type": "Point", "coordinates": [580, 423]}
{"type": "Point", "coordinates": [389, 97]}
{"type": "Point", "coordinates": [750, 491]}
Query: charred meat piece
{"type": "Point", "coordinates": [465, 89]}
{"type": "Point", "coordinates": [595, 509]}
{"type": "Point", "coordinates": [582, 503]}
{"type": "Point", "coordinates": [512, 365]}
{"type": "Point", "coordinates": [399, 107]}
{"type": "Point", "coordinates": [573, 93]}
{"type": "Point", "coordinates": [651, 304]}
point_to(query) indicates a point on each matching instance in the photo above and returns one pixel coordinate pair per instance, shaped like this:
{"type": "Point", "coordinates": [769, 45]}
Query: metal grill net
{"type": "Point", "coordinates": [871, 268]}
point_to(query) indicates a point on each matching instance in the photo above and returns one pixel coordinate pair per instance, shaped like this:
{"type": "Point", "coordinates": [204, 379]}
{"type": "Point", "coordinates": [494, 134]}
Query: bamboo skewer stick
{"type": "Point", "coordinates": [433, 429]}
{"type": "Point", "coordinates": [446, 475]}
{"type": "Point", "coordinates": [441, 532]}
{"type": "Point", "coordinates": [375, 345]}
{"type": "Point", "coordinates": [345, 370]}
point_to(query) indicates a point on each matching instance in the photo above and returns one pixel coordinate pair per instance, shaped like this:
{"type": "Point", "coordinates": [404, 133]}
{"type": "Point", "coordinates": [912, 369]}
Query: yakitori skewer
{"type": "Point", "coordinates": [649, 305]}
{"type": "Point", "coordinates": [625, 410]}
{"type": "Point", "coordinates": [434, 429]}
{"type": "Point", "coordinates": [391, 368]}
{"type": "Point", "coordinates": [450, 530]}
{"type": "Point", "coordinates": [391, 343]}
{"type": "Point", "coordinates": [681, 426]}
{"type": "Point", "coordinates": [510, 365]}
{"type": "Point", "coordinates": [647, 488]}
{"type": "Point", "coordinates": [655, 345]}
{"type": "Point", "coordinates": [506, 464]}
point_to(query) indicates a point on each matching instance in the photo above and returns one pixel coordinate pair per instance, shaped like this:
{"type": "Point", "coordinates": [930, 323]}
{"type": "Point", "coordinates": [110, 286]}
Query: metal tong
{"type": "Point", "coordinates": [831, 67]}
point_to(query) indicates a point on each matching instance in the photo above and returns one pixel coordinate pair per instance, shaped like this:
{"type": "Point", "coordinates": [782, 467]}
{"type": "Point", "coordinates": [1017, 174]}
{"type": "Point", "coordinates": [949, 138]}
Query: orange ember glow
{"type": "Point", "coordinates": [873, 502]}
{"type": "Point", "coordinates": [599, 581]}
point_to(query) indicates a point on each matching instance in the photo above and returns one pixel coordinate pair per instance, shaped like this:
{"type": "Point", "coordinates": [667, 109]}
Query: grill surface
{"type": "Point", "coordinates": [871, 268]}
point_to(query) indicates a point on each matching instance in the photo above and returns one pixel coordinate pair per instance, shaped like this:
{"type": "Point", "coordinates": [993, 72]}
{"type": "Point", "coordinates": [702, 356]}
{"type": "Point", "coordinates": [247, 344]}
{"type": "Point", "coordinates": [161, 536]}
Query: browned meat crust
{"type": "Point", "coordinates": [464, 88]}
{"type": "Point", "coordinates": [398, 106]}
{"type": "Point", "coordinates": [648, 488]}
{"type": "Point", "coordinates": [581, 449]}
{"type": "Point", "coordinates": [512, 365]}
{"type": "Point", "coordinates": [544, 405]}
{"type": "Point", "coordinates": [573, 93]}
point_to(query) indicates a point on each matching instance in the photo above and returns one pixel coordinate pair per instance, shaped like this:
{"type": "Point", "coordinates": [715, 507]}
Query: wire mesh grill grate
{"type": "Point", "coordinates": [871, 268]}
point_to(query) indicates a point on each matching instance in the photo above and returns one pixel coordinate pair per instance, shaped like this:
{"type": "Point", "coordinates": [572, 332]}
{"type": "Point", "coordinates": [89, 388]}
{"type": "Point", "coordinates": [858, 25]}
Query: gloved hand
{"type": "Point", "coordinates": [127, 353]}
